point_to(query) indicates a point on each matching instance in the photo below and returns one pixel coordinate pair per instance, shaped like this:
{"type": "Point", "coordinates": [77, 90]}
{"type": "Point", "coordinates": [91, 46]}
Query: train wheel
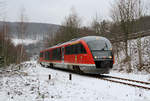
{"type": "Point", "coordinates": [42, 64]}
{"type": "Point", "coordinates": [51, 65]}
{"type": "Point", "coordinates": [77, 69]}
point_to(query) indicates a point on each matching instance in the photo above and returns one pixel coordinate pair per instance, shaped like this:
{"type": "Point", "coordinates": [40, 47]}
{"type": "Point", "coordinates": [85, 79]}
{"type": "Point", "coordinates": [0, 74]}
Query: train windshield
{"type": "Point", "coordinates": [99, 45]}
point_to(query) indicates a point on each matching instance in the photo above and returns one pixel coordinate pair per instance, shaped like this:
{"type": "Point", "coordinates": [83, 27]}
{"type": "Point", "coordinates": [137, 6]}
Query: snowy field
{"type": "Point", "coordinates": [31, 83]}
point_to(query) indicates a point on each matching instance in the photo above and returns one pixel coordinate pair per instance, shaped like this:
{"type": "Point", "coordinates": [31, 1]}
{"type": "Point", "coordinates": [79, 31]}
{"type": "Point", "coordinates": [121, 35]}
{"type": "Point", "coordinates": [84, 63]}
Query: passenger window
{"type": "Point", "coordinates": [56, 54]}
{"type": "Point", "coordinates": [75, 49]}
{"type": "Point", "coordinates": [67, 50]}
{"type": "Point", "coordinates": [47, 55]}
{"type": "Point", "coordinates": [78, 48]}
{"type": "Point", "coordinates": [83, 49]}
{"type": "Point", "coordinates": [41, 54]}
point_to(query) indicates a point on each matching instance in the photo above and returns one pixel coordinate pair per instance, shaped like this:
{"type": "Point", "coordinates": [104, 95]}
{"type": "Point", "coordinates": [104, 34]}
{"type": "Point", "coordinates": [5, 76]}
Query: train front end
{"type": "Point", "coordinates": [101, 50]}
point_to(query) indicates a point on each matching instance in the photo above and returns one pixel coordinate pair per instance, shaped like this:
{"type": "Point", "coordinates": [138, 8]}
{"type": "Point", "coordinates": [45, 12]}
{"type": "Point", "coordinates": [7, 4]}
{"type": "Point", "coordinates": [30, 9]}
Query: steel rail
{"type": "Point", "coordinates": [133, 85]}
{"type": "Point", "coordinates": [106, 78]}
{"type": "Point", "coordinates": [131, 80]}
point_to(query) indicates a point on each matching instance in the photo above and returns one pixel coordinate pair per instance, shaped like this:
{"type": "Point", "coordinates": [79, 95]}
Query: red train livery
{"type": "Point", "coordinates": [91, 54]}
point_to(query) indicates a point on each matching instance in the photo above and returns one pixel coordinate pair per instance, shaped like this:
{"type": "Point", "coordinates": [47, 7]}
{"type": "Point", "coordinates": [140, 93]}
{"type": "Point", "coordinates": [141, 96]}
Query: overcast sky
{"type": "Point", "coordinates": [54, 11]}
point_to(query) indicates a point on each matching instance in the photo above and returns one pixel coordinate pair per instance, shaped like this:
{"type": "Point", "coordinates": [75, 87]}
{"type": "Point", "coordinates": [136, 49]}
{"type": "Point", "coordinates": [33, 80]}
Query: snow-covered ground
{"type": "Point", "coordinates": [31, 83]}
{"type": "Point", "coordinates": [23, 41]}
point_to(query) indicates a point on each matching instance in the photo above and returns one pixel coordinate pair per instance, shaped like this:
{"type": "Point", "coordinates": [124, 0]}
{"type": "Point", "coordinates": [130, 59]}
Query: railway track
{"type": "Point", "coordinates": [129, 82]}
{"type": "Point", "coordinates": [125, 81]}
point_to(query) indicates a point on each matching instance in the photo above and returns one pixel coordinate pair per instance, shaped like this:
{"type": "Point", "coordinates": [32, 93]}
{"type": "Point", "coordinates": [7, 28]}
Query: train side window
{"type": "Point", "coordinates": [53, 54]}
{"type": "Point", "coordinates": [75, 49]}
{"type": "Point", "coordinates": [82, 49]}
{"type": "Point", "coordinates": [67, 50]}
{"type": "Point", "coordinates": [70, 50]}
{"type": "Point", "coordinates": [41, 54]}
{"type": "Point", "coordinates": [56, 54]}
{"type": "Point", "coordinates": [47, 55]}
{"type": "Point", "coordinates": [50, 55]}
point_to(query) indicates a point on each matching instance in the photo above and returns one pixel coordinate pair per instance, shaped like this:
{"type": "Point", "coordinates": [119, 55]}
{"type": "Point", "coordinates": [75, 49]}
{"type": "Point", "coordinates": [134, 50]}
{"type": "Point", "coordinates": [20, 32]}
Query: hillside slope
{"type": "Point", "coordinates": [32, 30]}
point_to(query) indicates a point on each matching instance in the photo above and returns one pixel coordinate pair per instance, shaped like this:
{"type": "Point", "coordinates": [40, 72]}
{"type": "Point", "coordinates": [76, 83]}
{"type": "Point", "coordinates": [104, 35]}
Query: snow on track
{"type": "Point", "coordinates": [32, 84]}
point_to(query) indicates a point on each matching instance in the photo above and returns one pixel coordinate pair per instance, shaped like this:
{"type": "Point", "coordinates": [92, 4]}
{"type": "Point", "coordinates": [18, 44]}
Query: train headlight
{"type": "Point", "coordinates": [95, 57]}
{"type": "Point", "coordinates": [110, 57]}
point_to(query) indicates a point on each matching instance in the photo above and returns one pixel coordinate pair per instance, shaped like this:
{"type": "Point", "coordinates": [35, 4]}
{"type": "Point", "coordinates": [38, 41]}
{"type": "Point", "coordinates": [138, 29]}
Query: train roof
{"type": "Point", "coordinates": [86, 39]}
{"type": "Point", "coordinates": [90, 38]}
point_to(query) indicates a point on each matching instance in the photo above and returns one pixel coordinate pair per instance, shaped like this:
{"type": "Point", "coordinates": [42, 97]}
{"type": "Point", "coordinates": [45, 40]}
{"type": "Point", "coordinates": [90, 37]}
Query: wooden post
{"type": "Point", "coordinates": [49, 76]}
{"type": "Point", "coordinates": [70, 76]}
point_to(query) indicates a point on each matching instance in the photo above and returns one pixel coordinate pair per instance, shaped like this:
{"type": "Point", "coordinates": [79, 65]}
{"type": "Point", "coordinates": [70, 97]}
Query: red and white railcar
{"type": "Point", "coordinates": [91, 54]}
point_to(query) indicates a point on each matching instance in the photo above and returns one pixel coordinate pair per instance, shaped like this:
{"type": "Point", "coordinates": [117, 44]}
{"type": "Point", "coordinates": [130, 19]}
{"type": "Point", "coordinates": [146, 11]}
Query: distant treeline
{"type": "Point", "coordinates": [111, 30]}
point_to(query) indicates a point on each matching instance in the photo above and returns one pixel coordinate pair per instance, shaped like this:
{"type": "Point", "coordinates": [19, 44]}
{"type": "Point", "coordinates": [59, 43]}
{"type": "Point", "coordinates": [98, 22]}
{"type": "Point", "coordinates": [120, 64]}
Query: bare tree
{"type": "Point", "coordinates": [6, 43]}
{"type": "Point", "coordinates": [96, 25]}
{"type": "Point", "coordinates": [71, 26]}
{"type": "Point", "coordinates": [21, 28]}
{"type": "Point", "coordinates": [125, 12]}
{"type": "Point", "coordinates": [140, 14]}
{"type": "Point", "coordinates": [69, 29]}
{"type": "Point", "coordinates": [101, 27]}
